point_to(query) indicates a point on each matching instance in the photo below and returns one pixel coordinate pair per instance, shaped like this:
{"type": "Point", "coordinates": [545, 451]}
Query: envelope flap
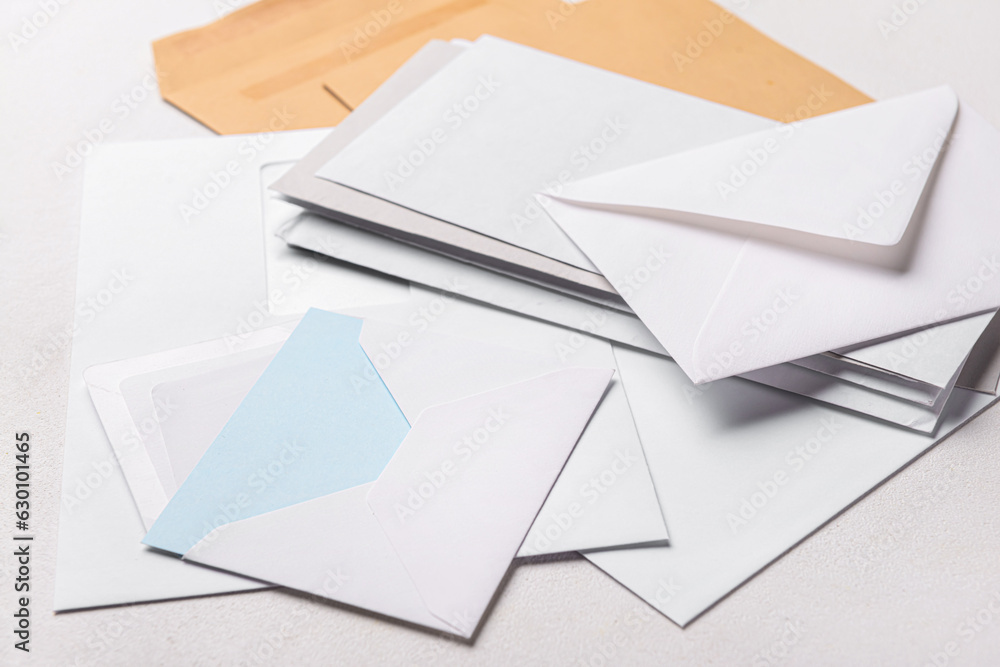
{"type": "Point", "coordinates": [464, 487]}
{"type": "Point", "coordinates": [856, 174]}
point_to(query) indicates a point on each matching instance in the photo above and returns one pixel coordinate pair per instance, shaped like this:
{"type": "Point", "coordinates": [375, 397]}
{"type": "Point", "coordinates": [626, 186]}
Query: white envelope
{"type": "Point", "coordinates": [929, 357]}
{"type": "Point", "coordinates": [900, 401]}
{"type": "Point", "coordinates": [455, 490]}
{"type": "Point", "coordinates": [473, 162]}
{"type": "Point", "coordinates": [149, 279]}
{"type": "Point", "coordinates": [744, 473]}
{"type": "Point", "coordinates": [783, 260]}
{"type": "Point", "coordinates": [437, 563]}
{"type": "Point", "coordinates": [502, 121]}
{"type": "Point", "coordinates": [177, 401]}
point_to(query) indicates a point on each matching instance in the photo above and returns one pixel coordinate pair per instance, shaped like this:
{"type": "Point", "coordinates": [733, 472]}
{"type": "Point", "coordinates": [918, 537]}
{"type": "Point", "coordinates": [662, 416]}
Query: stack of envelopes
{"type": "Point", "coordinates": [514, 304]}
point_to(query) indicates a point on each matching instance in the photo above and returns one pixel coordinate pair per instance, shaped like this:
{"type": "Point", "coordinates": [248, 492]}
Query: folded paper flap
{"type": "Point", "coordinates": [362, 570]}
{"type": "Point", "coordinates": [856, 174]}
{"type": "Point", "coordinates": [464, 487]}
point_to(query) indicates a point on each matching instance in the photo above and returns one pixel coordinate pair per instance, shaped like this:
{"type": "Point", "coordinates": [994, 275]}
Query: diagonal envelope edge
{"type": "Point", "coordinates": [498, 481]}
{"type": "Point", "coordinates": [765, 167]}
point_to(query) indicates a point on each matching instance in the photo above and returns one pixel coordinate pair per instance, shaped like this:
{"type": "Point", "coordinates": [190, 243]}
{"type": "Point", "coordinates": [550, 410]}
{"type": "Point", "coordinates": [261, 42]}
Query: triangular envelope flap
{"type": "Point", "coordinates": [856, 174]}
{"type": "Point", "coordinates": [464, 487]}
{"type": "Point", "coordinates": [330, 546]}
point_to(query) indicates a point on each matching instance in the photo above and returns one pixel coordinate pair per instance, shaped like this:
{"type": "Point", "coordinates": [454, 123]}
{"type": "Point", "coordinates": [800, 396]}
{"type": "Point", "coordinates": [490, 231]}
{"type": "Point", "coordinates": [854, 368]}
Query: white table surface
{"type": "Point", "coordinates": [891, 581]}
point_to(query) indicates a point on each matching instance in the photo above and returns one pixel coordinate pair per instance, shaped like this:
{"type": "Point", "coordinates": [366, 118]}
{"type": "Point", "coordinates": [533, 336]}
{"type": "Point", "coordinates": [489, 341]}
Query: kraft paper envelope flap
{"type": "Point", "coordinates": [357, 208]}
{"type": "Point", "coordinates": [183, 276]}
{"type": "Point", "coordinates": [275, 55]}
{"type": "Point", "coordinates": [239, 73]}
{"type": "Point", "coordinates": [749, 304]}
{"type": "Point", "coordinates": [533, 121]}
{"type": "Point", "coordinates": [832, 176]}
{"type": "Point", "coordinates": [478, 288]}
{"type": "Point", "coordinates": [650, 40]}
{"type": "Point", "coordinates": [429, 552]}
{"type": "Point", "coordinates": [177, 284]}
{"type": "Point", "coordinates": [744, 473]}
{"type": "Point", "coordinates": [197, 389]}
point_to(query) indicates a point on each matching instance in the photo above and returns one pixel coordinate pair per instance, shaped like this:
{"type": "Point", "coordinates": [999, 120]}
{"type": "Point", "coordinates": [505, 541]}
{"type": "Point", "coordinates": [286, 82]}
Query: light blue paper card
{"type": "Point", "coordinates": [305, 430]}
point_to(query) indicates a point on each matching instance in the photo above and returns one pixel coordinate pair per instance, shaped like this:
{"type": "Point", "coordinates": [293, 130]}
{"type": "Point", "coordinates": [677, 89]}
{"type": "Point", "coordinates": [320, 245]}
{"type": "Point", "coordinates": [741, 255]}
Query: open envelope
{"type": "Point", "coordinates": [320, 421]}
{"type": "Point", "coordinates": [797, 239]}
{"type": "Point", "coordinates": [180, 281]}
{"type": "Point", "coordinates": [240, 274]}
{"type": "Point", "coordinates": [162, 411]}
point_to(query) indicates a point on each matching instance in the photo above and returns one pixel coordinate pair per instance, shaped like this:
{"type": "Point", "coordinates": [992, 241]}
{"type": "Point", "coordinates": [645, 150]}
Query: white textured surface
{"type": "Point", "coordinates": [891, 581]}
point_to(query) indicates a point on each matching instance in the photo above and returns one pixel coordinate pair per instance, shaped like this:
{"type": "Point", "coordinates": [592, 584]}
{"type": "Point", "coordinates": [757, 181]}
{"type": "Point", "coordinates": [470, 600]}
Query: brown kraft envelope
{"type": "Point", "coordinates": [292, 64]}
